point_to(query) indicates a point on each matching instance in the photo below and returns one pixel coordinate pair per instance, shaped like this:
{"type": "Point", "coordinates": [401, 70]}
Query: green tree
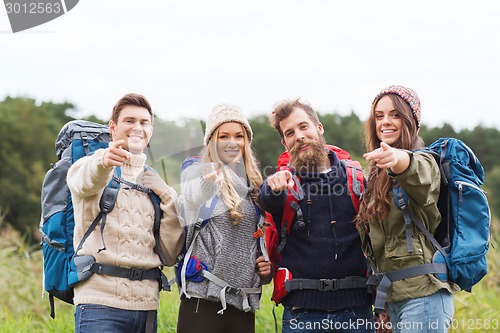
{"type": "Point", "coordinates": [266, 144]}
{"type": "Point", "coordinates": [493, 191]}
{"type": "Point", "coordinates": [430, 135]}
{"type": "Point", "coordinates": [27, 137]}
{"type": "Point", "coordinates": [344, 132]}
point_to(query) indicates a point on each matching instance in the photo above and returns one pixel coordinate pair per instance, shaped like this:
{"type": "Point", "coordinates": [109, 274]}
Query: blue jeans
{"type": "Point", "coordinates": [354, 320]}
{"type": "Point", "coordinates": [91, 318]}
{"type": "Point", "coordinates": [429, 314]}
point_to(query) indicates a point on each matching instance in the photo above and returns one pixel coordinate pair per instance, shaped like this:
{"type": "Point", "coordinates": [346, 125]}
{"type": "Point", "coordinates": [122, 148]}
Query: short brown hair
{"type": "Point", "coordinates": [283, 109]}
{"type": "Point", "coordinates": [130, 99]}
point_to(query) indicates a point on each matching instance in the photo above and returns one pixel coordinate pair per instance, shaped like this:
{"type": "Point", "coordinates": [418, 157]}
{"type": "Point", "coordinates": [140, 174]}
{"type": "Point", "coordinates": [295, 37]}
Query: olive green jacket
{"type": "Point", "coordinates": [389, 251]}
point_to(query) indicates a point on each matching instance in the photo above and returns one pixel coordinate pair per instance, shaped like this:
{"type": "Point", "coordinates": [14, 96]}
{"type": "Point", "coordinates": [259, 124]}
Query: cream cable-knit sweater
{"type": "Point", "coordinates": [128, 233]}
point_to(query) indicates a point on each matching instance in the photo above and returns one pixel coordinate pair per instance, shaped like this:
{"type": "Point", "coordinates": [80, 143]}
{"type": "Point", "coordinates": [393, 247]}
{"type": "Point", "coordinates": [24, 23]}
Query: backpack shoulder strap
{"type": "Point", "coordinates": [355, 181]}
{"type": "Point", "coordinates": [291, 209]}
{"type": "Point", "coordinates": [401, 202]}
{"type": "Point", "coordinates": [155, 199]}
{"type": "Point", "coordinates": [259, 234]}
{"type": "Point", "coordinates": [203, 218]}
{"type": "Point", "coordinates": [106, 204]}
{"type": "Point", "coordinates": [188, 161]}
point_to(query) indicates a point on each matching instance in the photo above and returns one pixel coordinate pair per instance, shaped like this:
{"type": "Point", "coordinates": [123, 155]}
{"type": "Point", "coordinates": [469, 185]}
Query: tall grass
{"type": "Point", "coordinates": [22, 309]}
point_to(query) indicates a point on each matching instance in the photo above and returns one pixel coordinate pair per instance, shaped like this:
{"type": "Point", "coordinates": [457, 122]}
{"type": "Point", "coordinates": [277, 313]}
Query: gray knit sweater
{"type": "Point", "coordinates": [227, 249]}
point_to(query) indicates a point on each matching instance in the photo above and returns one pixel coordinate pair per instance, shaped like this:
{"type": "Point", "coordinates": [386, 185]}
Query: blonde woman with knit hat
{"type": "Point", "coordinates": [421, 303]}
{"type": "Point", "coordinates": [224, 291]}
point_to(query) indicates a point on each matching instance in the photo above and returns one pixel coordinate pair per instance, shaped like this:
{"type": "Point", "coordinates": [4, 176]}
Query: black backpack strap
{"type": "Point", "coordinates": [128, 273]}
{"type": "Point", "coordinates": [155, 199]}
{"type": "Point", "coordinates": [106, 204]}
{"type": "Point", "coordinates": [52, 308]}
{"type": "Point", "coordinates": [85, 142]}
{"type": "Point", "coordinates": [349, 282]}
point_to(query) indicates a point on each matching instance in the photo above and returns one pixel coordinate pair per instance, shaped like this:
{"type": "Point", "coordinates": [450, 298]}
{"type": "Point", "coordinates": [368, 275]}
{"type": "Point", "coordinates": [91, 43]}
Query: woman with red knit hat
{"type": "Point", "coordinates": [421, 303]}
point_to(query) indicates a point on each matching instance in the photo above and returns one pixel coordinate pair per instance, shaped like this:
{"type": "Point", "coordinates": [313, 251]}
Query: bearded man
{"type": "Point", "coordinates": [325, 246]}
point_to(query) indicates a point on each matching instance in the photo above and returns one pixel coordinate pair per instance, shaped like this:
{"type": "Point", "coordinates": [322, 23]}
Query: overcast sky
{"type": "Point", "coordinates": [186, 56]}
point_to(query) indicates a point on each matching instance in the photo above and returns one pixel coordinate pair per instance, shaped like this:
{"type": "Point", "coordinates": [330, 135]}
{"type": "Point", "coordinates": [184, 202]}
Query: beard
{"type": "Point", "coordinates": [310, 160]}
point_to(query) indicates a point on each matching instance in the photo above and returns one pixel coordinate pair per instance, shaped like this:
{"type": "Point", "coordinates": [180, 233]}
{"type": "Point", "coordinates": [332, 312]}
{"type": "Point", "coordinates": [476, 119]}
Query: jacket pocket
{"type": "Point", "coordinates": [398, 257]}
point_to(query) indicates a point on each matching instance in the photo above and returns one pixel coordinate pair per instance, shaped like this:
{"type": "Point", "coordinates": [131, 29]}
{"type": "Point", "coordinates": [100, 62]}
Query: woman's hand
{"type": "Point", "coordinates": [387, 157]}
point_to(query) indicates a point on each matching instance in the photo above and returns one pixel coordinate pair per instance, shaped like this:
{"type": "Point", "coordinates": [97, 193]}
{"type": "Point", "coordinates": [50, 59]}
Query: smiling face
{"type": "Point", "coordinates": [388, 121]}
{"type": "Point", "coordinates": [134, 126]}
{"type": "Point", "coordinates": [304, 140]}
{"type": "Point", "coordinates": [297, 128]}
{"type": "Point", "coordinates": [230, 142]}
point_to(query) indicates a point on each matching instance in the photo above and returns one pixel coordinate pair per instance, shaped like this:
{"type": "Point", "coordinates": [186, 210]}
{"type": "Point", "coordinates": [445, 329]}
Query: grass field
{"type": "Point", "coordinates": [22, 309]}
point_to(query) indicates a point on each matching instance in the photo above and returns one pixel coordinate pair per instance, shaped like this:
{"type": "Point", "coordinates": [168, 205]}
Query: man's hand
{"type": "Point", "coordinates": [115, 155]}
{"type": "Point", "coordinates": [153, 181]}
{"type": "Point", "coordinates": [383, 323]}
{"type": "Point", "coordinates": [281, 180]}
{"type": "Point", "coordinates": [263, 267]}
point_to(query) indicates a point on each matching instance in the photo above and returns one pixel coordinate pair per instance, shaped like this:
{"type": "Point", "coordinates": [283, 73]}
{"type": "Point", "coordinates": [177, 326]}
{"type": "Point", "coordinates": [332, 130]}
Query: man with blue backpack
{"type": "Point", "coordinates": [119, 262]}
{"type": "Point", "coordinates": [321, 275]}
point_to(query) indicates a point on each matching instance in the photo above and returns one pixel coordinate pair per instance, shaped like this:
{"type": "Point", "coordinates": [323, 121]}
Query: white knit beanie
{"type": "Point", "coordinates": [225, 113]}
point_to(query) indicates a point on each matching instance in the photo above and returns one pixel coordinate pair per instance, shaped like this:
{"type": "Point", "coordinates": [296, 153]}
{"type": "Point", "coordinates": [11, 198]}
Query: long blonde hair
{"type": "Point", "coordinates": [228, 191]}
{"type": "Point", "coordinates": [375, 201]}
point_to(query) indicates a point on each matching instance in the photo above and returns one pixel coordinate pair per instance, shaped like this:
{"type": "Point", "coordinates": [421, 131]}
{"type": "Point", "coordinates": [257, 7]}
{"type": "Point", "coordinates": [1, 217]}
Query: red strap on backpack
{"type": "Point", "coordinates": [355, 181]}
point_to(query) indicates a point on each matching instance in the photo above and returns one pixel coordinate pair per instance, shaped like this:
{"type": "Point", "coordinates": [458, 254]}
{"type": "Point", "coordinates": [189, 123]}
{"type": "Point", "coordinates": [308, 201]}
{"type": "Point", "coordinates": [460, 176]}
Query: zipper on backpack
{"type": "Point", "coordinates": [460, 184]}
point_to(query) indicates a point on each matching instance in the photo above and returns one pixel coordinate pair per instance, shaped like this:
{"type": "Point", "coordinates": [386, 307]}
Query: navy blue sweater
{"type": "Point", "coordinates": [329, 246]}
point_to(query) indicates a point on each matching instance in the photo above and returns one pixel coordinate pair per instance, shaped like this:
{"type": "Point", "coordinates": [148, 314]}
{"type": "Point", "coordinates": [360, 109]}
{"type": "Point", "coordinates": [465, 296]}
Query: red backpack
{"type": "Point", "coordinates": [274, 247]}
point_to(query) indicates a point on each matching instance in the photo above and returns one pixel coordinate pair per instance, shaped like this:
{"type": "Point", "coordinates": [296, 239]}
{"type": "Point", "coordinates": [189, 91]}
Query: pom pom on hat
{"type": "Point", "coordinates": [225, 113]}
{"type": "Point", "coordinates": [408, 95]}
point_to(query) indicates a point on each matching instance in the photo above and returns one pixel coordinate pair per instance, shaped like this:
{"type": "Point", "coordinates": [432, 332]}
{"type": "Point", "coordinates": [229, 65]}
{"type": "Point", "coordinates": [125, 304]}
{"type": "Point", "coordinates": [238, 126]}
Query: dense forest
{"type": "Point", "coordinates": [28, 130]}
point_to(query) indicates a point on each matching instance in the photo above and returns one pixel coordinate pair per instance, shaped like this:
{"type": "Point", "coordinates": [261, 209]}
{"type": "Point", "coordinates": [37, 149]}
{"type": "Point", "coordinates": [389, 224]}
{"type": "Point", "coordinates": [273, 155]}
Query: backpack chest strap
{"type": "Point", "coordinates": [226, 288]}
{"type": "Point", "coordinates": [350, 282]}
{"type": "Point", "coordinates": [128, 273]}
{"type": "Point", "coordinates": [131, 185]}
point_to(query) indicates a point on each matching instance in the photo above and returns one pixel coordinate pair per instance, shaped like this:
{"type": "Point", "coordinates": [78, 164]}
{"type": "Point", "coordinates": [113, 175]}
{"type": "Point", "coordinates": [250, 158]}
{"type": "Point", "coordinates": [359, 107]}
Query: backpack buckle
{"type": "Point", "coordinates": [328, 284]}
{"type": "Point", "coordinates": [233, 290]}
{"type": "Point", "coordinates": [258, 233]}
{"type": "Point", "coordinates": [135, 274]}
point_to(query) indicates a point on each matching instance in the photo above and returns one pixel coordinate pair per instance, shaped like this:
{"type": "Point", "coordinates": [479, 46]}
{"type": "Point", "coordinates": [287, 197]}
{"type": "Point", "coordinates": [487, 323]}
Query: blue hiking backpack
{"type": "Point", "coordinates": [462, 238]}
{"type": "Point", "coordinates": [61, 268]}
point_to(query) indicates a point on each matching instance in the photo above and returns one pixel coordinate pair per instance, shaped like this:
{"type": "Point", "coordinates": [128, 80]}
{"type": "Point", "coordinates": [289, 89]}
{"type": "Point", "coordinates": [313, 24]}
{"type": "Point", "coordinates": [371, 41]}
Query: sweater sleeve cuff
{"type": "Point", "coordinates": [408, 170]}
{"type": "Point", "coordinates": [99, 154]}
{"type": "Point", "coordinates": [168, 194]}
